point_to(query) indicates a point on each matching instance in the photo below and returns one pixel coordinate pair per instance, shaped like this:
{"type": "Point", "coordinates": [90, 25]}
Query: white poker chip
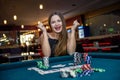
{"type": "Point", "coordinates": [46, 61]}
{"type": "Point", "coordinates": [64, 74]}
{"type": "Point", "coordinates": [72, 73]}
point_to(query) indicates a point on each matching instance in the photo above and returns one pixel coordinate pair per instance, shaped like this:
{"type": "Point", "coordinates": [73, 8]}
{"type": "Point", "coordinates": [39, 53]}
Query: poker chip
{"type": "Point", "coordinates": [77, 58]}
{"type": "Point", "coordinates": [88, 72]}
{"type": "Point", "coordinates": [81, 66]}
{"type": "Point", "coordinates": [72, 73]}
{"type": "Point", "coordinates": [46, 61]}
{"type": "Point", "coordinates": [79, 70]}
{"type": "Point", "coordinates": [40, 65]}
{"type": "Point", "coordinates": [85, 56]}
{"type": "Point", "coordinates": [64, 74]}
{"type": "Point", "coordinates": [98, 70]}
{"type": "Point", "coordinates": [86, 67]}
{"type": "Point", "coordinates": [88, 60]}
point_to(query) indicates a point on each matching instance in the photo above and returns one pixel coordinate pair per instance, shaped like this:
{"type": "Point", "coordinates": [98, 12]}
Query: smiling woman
{"type": "Point", "coordinates": [58, 42]}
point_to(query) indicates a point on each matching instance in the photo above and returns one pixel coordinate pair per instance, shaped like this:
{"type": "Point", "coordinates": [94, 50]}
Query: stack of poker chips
{"type": "Point", "coordinates": [72, 73]}
{"type": "Point", "coordinates": [46, 61]}
{"type": "Point", "coordinates": [86, 73]}
{"type": "Point", "coordinates": [86, 67]}
{"type": "Point", "coordinates": [77, 58]}
{"type": "Point", "coordinates": [85, 56]}
{"type": "Point", "coordinates": [64, 74]}
{"type": "Point", "coordinates": [40, 65]}
{"type": "Point", "coordinates": [84, 60]}
{"type": "Point", "coordinates": [43, 64]}
{"type": "Point", "coordinates": [68, 73]}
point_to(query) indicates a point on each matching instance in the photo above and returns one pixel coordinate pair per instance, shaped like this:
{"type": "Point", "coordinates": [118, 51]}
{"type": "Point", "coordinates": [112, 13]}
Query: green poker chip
{"type": "Point", "coordinates": [40, 65]}
{"type": "Point", "coordinates": [78, 70]}
{"type": "Point", "coordinates": [98, 70]}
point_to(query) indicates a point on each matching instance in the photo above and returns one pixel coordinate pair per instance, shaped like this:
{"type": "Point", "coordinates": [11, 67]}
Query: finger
{"type": "Point", "coordinates": [40, 25]}
{"type": "Point", "coordinates": [76, 22]}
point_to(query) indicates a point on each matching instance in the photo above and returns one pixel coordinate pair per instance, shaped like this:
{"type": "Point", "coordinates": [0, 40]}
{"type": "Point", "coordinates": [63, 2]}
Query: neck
{"type": "Point", "coordinates": [54, 35]}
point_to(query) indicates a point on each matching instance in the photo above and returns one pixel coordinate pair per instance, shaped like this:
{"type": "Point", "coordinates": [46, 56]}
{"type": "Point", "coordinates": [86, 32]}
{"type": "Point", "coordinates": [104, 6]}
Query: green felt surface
{"type": "Point", "coordinates": [18, 70]}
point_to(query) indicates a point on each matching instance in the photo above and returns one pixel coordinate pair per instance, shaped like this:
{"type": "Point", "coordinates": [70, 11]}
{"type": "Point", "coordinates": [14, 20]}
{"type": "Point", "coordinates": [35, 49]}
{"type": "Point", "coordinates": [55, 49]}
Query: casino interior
{"type": "Point", "coordinates": [99, 30]}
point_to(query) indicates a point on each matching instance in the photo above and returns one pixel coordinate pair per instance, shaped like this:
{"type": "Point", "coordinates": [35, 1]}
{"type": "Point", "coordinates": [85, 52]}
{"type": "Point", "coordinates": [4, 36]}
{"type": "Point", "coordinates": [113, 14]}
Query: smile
{"type": "Point", "coordinates": [57, 28]}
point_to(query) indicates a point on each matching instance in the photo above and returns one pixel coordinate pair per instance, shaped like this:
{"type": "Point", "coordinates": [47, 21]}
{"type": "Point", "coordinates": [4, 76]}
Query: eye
{"type": "Point", "coordinates": [52, 22]}
{"type": "Point", "coordinates": [59, 20]}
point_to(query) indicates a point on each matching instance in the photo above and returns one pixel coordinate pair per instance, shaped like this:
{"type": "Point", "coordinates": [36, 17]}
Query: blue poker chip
{"type": "Point", "coordinates": [88, 60]}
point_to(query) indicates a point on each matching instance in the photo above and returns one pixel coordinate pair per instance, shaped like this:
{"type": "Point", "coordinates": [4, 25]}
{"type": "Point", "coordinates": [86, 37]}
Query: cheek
{"type": "Point", "coordinates": [61, 27]}
{"type": "Point", "coordinates": [52, 27]}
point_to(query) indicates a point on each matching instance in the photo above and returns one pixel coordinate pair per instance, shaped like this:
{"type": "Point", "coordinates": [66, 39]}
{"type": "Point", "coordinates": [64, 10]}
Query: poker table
{"type": "Point", "coordinates": [19, 70]}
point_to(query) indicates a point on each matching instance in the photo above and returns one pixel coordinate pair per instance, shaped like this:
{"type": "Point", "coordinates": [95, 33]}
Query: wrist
{"type": "Point", "coordinates": [73, 30]}
{"type": "Point", "coordinates": [44, 32]}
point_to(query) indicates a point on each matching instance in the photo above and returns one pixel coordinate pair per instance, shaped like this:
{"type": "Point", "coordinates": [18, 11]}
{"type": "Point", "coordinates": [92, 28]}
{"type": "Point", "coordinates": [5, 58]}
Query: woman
{"type": "Point", "coordinates": [58, 42]}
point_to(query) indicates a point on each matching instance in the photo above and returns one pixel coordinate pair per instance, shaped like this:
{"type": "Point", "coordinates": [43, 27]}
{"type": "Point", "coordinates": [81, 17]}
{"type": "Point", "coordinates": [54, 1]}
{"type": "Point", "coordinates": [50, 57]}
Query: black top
{"type": "Point", "coordinates": [52, 43]}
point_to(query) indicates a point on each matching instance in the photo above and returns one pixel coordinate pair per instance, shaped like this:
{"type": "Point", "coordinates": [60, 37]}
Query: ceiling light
{"type": "Point", "coordinates": [4, 35]}
{"type": "Point", "coordinates": [118, 22]}
{"type": "Point", "coordinates": [86, 24]}
{"type": "Point", "coordinates": [5, 21]}
{"type": "Point", "coordinates": [39, 30]}
{"type": "Point", "coordinates": [38, 22]}
{"type": "Point", "coordinates": [41, 6]}
{"type": "Point", "coordinates": [22, 26]}
{"type": "Point", "coordinates": [104, 25]}
{"type": "Point", "coordinates": [15, 17]}
{"type": "Point", "coordinates": [47, 27]}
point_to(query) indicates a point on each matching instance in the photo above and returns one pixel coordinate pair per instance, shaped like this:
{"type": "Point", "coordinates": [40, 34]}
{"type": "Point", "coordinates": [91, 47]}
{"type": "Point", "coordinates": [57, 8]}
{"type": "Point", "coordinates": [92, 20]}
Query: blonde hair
{"type": "Point", "coordinates": [61, 47]}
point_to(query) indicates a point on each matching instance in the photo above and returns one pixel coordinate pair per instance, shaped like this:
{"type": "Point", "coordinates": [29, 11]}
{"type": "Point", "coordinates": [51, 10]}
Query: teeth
{"type": "Point", "coordinates": [57, 28]}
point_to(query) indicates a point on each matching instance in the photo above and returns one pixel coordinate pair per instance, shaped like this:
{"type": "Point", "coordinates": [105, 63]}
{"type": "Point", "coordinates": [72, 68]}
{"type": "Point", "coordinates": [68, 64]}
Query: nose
{"type": "Point", "coordinates": [56, 23]}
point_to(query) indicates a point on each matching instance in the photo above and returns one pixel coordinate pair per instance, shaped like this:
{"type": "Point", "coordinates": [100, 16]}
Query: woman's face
{"type": "Point", "coordinates": [56, 23]}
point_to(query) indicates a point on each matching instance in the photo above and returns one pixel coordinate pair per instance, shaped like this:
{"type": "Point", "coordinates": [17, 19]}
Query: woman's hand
{"type": "Point", "coordinates": [75, 25]}
{"type": "Point", "coordinates": [42, 27]}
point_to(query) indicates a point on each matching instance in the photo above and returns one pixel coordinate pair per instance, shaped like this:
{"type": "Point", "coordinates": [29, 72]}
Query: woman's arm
{"type": "Point", "coordinates": [71, 44]}
{"type": "Point", "coordinates": [44, 41]}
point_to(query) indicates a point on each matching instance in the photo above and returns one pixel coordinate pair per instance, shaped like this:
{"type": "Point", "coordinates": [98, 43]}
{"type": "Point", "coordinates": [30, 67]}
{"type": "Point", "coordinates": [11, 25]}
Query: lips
{"type": "Point", "coordinates": [57, 28]}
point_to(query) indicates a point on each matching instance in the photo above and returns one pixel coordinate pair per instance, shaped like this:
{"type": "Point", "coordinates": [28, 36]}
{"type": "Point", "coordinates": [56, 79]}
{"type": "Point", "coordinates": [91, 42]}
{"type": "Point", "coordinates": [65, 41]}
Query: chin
{"type": "Point", "coordinates": [58, 31]}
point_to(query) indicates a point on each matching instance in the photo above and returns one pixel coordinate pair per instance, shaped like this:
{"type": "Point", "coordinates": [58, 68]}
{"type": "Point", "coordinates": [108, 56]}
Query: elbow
{"type": "Point", "coordinates": [46, 52]}
{"type": "Point", "coordinates": [71, 51]}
